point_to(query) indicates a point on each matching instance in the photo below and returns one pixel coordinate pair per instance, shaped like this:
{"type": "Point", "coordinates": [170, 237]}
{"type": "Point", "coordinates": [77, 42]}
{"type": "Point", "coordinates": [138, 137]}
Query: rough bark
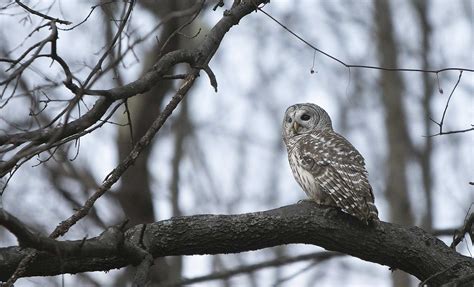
{"type": "Point", "coordinates": [407, 248]}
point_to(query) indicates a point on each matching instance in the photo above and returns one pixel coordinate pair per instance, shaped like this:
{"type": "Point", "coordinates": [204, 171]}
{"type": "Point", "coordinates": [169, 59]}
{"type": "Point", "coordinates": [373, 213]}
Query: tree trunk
{"type": "Point", "coordinates": [421, 8]}
{"type": "Point", "coordinates": [396, 127]}
{"type": "Point", "coordinates": [135, 195]}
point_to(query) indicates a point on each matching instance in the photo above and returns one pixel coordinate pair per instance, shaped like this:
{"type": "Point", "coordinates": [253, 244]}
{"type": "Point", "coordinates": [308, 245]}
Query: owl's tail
{"type": "Point", "coordinates": [373, 215]}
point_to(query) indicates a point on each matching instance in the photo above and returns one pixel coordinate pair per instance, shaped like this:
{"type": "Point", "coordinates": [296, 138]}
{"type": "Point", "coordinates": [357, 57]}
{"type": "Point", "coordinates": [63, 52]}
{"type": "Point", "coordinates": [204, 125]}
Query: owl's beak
{"type": "Point", "coordinates": [296, 126]}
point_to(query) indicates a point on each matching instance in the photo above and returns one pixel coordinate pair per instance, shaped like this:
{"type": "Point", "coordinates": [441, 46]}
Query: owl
{"type": "Point", "coordinates": [326, 166]}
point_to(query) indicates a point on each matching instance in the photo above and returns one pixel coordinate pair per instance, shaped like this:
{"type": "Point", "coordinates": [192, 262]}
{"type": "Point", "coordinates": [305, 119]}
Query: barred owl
{"type": "Point", "coordinates": [328, 168]}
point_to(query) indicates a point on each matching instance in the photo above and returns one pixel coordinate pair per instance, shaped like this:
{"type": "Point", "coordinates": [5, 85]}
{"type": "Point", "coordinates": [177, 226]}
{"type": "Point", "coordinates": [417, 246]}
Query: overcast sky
{"type": "Point", "coordinates": [261, 69]}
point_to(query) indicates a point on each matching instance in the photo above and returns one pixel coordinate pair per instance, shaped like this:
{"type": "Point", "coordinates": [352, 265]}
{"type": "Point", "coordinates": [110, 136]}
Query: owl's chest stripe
{"type": "Point", "coordinates": [303, 176]}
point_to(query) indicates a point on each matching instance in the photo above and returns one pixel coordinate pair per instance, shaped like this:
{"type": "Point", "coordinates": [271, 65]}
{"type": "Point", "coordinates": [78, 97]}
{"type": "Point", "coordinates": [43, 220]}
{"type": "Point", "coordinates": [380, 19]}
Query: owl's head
{"type": "Point", "coordinates": [304, 119]}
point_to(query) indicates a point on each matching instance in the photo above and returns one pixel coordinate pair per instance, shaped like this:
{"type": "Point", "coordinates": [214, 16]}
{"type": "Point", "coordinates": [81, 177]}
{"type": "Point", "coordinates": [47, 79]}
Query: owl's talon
{"type": "Point", "coordinates": [378, 225]}
{"type": "Point", "coordinates": [326, 211]}
{"type": "Point", "coordinates": [305, 200]}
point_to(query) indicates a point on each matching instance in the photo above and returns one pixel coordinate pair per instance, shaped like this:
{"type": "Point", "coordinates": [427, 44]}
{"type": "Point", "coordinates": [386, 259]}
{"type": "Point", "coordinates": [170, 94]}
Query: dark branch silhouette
{"type": "Point", "coordinates": [312, 46]}
{"type": "Point", "coordinates": [41, 140]}
{"type": "Point", "coordinates": [407, 248]}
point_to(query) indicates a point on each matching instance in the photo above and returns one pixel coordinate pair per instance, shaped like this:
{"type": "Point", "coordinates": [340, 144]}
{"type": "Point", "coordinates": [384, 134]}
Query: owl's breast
{"type": "Point", "coordinates": [304, 177]}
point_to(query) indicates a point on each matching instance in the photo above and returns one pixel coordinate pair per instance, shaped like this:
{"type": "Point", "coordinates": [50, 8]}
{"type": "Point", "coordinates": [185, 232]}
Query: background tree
{"type": "Point", "coordinates": [87, 97]}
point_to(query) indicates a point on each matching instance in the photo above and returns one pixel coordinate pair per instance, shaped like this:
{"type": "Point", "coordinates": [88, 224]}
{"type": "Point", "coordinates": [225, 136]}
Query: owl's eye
{"type": "Point", "coordinates": [305, 117]}
{"type": "Point", "coordinates": [289, 120]}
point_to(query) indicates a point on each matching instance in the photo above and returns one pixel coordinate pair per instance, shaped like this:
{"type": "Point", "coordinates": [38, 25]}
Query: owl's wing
{"type": "Point", "coordinates": [339, 169]}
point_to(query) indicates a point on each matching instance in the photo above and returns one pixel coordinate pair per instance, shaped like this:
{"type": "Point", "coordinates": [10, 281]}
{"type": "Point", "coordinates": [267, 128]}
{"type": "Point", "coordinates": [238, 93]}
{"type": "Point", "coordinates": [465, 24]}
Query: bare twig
{"type": "Point", "coordinates": [440, 124]}
{"type": "Point", "coordinates": [34, 12]}
{"type": "Point", "coordinates": [455, 131]}
{"type": "Point", "coordinates": [295, 274]}
{"type": "Point", "coordinates": [115, 175]}
{"type": "Point", "coordinates": [447, 103]}
{"type": "Point", "coordinates": [316, 256]}
{"type": "Point", "coordinates": [88, 15]}
{"type": "Point", "coordinates": [429, 279]}
{"type": "Point", "coordinates": [359, 66]}
{"type": "Point", "coordinates": [198, 8]}
{"type": "Point", "coordinates": [467, 228]}
{"type": "Point", "coordinates": [129, 120]}
{"type": "Point", "coordinates": [174, 77]}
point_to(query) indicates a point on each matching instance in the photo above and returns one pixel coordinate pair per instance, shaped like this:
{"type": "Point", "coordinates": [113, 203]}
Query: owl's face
{"type": "Point", "coordinates": [303, 119]}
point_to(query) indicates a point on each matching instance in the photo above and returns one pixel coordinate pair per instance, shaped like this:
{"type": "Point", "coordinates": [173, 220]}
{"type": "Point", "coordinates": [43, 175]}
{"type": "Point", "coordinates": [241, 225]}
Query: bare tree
{"type": "Point", "coordinates": [49, 114]}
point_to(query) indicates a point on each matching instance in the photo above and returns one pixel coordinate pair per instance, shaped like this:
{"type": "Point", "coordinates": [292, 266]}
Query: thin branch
{"type": "Point", "coordinates": [88, 15]}
{"type": "Point", "coordinates": [444, 231]}
{"type": "Point", "coordinates": [316, 256]}
{"type": "Point", "coordinates": [455, 131]}
{"type": "Point", "coordinates": [440, 124]}
{"type": "Point", "coordinates": [32, 149]}
{"type": "Point", "coordinates": [358, 66]}
{"type": "Point", "coordinates": [180, 28]}
{"type": "Point", "coordinates": [115, 175]}
{"type": "Point", "coordinates": [117, 36]}
{"type": "Point", "coordinates": [34, 12]}
{"type": "Point", "coordinates": [30, 255]}
{"type": "Point", "coordinates": [29, 239]}
{"type": "Point", "coordinates": [197, 57]}
{"type": "Point", "coordinates": [295, 274]}
{"type": "Point", "coordinates": [174, 77]}
{"type": "Point", "coordinates": [129, 121]}
{"type": "Point", "coordinates": [447, 103]}
{"type": "Point", "coordinates": [466, 229]}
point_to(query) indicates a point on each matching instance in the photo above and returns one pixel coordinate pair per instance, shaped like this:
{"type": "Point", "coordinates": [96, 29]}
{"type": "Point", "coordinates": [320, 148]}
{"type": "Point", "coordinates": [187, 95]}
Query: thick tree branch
{"type": "Point", "coordinates": [407, 248]}
{"type": "Point", "coordinates": [198, 57]}
{"type": "Point", "coordinates": [113, 237]}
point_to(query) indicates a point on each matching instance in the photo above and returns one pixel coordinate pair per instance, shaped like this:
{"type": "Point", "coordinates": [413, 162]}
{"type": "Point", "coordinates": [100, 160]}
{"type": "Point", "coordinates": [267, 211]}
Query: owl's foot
{"type": "Point", "coordinates": [377, 224]}
{"type": "Point", "coordinates": [329, 210]}
{"type": "Point", "coordinates": [306, 200]}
